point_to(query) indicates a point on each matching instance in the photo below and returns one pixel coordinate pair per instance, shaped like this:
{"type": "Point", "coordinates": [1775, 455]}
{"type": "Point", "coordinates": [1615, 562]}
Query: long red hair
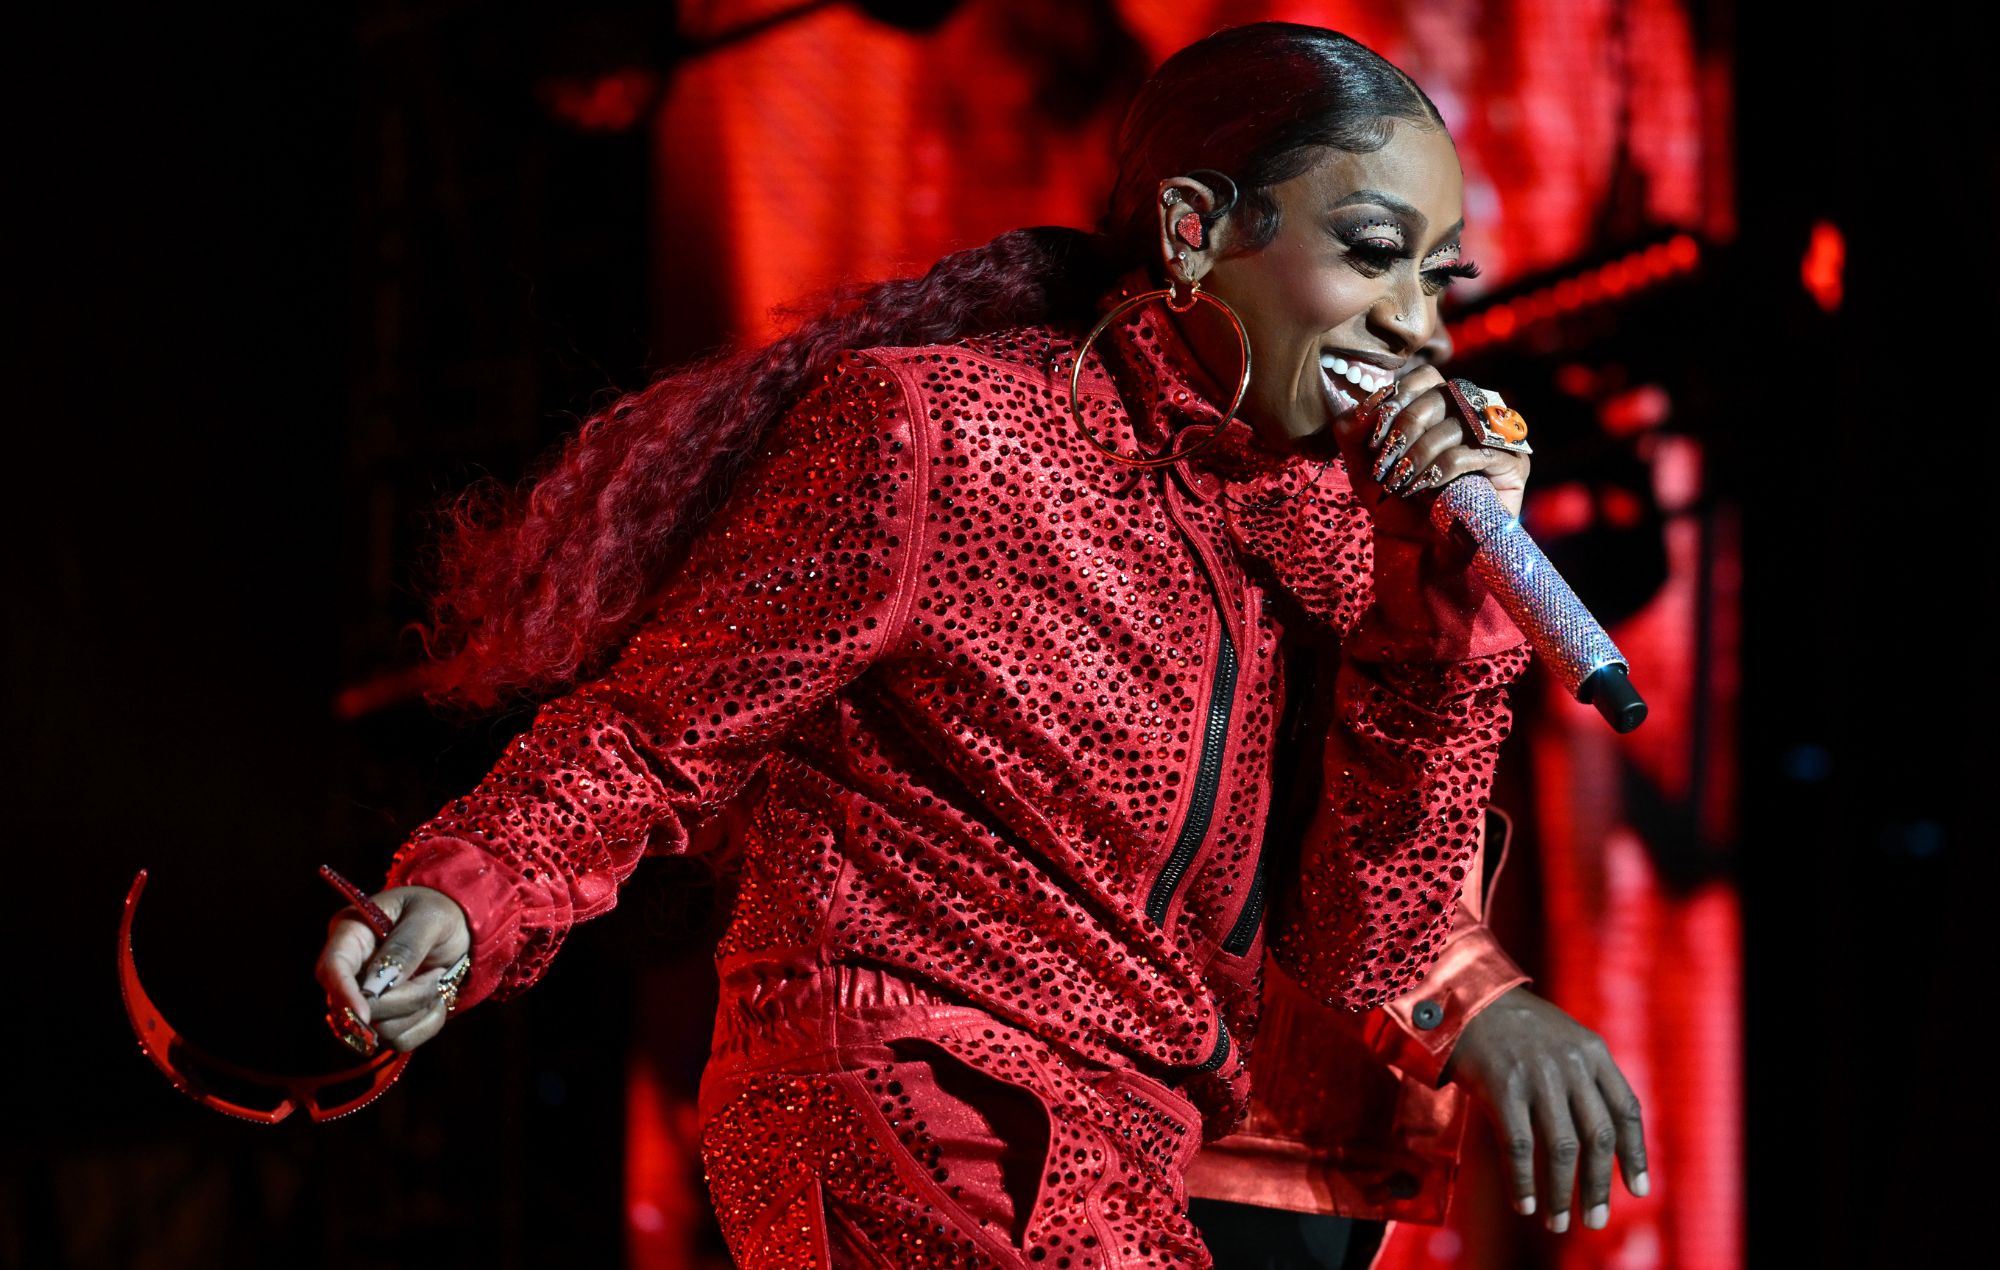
{"type": "Point", "coordinates": [537, 589]}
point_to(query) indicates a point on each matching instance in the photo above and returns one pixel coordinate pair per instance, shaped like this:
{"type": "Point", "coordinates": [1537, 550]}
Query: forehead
{"type": "Point", "coordinates": [1419, 166]}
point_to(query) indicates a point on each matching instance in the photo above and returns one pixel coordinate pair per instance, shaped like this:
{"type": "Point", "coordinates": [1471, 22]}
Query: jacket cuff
{"type": "Point", "coordinates": [485, 891]}
{"type": "Point", "coordinates": [1430, 606]}
{"type": "Point", "coordinates": [1417, 1031]}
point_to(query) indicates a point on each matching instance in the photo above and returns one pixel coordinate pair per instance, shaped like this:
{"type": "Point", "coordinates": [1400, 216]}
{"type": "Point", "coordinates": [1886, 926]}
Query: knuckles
{"type": "Point", "coordinates": [395, 949]}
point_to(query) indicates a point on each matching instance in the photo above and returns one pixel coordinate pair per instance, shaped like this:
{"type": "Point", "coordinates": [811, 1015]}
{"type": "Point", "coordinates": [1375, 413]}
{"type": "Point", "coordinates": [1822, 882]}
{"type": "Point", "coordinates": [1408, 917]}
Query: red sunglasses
{"type": "Point", "coordinates": [236, 1090]}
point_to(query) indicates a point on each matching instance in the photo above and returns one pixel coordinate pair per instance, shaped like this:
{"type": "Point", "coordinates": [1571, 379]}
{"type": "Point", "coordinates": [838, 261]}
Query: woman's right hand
{"type": "Point", "coordinates": [402, 1004]}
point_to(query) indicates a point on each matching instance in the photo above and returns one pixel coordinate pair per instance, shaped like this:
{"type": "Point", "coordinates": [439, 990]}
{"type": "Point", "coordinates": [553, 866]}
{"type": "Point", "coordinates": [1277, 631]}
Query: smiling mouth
{"type": "Point", "coordinates": [1347, 383]}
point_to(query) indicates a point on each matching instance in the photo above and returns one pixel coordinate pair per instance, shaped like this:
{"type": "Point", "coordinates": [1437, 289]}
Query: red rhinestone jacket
{"type": "Point", "coordinates": [1006, 714]}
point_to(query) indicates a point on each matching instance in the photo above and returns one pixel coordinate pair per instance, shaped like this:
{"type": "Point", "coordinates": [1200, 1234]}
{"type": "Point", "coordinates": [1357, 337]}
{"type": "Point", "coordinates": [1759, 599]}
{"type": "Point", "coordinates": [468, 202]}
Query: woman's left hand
{"type": "Point", "coordinates": [1414, 443]}
{"type": "Point", "coordinates": [1555, 1098]}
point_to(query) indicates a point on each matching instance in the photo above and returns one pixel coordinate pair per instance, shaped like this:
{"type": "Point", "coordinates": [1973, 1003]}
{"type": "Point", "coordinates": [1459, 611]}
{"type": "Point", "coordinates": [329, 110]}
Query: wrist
{"type": "Point", "coordinates": [1420, 1032]}
{"type": "Point", "coordinates": [481, 889]}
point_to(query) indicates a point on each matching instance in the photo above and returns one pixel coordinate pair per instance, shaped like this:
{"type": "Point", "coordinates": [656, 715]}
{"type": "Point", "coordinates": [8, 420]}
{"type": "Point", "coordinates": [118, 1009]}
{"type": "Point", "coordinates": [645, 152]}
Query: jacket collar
{"type": "Point", "coordinates": [1173, 401]}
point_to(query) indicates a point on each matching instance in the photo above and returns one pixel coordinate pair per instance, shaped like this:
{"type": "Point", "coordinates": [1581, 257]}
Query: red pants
{"type": "Point", "coordinates": [853, 1118]}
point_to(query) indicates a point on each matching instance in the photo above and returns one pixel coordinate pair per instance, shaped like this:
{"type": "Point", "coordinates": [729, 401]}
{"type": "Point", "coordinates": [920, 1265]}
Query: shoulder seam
{"type": "Point", "coordinates": [906, 573]}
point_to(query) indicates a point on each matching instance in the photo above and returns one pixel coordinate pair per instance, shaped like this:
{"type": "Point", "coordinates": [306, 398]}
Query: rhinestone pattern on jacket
{"type": "Point", "coordinates": [970, 663]}
{"type": "Point", "coordinates": [1109, 1190]}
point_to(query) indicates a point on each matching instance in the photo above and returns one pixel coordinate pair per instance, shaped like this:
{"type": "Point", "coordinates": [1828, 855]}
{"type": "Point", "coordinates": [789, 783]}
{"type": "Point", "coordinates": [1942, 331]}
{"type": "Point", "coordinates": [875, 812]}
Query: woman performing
{"type": "Point", "coordinates": [987, 676]}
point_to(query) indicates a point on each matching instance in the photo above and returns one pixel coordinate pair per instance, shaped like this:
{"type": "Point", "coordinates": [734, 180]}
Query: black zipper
{"type": "Point", "coordinates": [1215, 1060]}
{"type": "Point", "coordinates": [1245, 929]}
{"type": "Point", "coordinates": [1208, 776]}
{"type": "Point", "coordinates": [1284, 816]}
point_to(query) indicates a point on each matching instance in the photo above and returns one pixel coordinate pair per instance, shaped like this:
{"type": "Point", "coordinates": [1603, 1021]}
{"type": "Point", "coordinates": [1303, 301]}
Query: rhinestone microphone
{"type": "Point", "coordinates": [1568, 638]}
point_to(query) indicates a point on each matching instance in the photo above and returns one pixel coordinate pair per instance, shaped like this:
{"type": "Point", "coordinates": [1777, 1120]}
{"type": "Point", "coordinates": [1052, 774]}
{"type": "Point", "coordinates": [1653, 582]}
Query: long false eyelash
{"type": "Point", "coordinates": [1377, 259]}
{"type": "Point", "coordinates": [1441, 277]}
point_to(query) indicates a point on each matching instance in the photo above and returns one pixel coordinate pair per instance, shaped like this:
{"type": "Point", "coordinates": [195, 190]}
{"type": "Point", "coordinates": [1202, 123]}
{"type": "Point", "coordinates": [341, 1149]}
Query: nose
{"type": "Point", "coordinates": [1437, 350]}
{"type": "Point", "coordinates": [1406, 320]}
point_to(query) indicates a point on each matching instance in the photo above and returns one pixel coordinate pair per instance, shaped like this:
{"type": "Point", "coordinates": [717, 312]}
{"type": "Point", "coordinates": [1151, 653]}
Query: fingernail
{"type": "Point", "coordinates": [1389, 414]}
{"type": "Point", "coordinates": [1559, 1222]}
{"type": "Point", "coordinates": [1525, 1206]}
{"type": "Point", "coordinates": [381, 979]}
{"type": "Point", "coordinates": [354, 1033]}
{"type": "Point", "coordinates": [1598, 1217]}
{"type": "Point", "coordinates": [1640, 1183]}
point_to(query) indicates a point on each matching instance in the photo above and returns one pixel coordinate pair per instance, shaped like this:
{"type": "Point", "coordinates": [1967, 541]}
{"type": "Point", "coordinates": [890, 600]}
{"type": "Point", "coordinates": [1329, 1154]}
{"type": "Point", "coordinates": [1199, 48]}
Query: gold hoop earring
{"type": "Point", "coordinates": [1195, 295]}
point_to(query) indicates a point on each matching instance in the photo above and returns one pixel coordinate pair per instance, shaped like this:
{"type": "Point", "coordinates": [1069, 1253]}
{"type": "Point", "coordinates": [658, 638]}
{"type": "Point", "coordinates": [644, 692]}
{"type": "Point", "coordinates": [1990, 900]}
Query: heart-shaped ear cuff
{"type": "Point", "coordinates": [1190, 230]}
{"type": "Point", "coordinates": [1191, 227]}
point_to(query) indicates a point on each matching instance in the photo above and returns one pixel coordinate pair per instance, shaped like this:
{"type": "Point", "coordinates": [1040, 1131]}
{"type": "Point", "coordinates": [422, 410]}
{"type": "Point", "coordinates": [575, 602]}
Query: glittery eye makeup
{"type": "Point", "coordinates": [1444, 267]}
{"type": "Point", "coordinates": [1373, 245]}
{"type": "Point", "coordinates": [1386, 234]}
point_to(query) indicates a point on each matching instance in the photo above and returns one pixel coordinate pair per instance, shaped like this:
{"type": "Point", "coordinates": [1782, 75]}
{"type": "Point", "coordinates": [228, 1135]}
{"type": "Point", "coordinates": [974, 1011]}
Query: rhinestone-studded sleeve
{"type": "Point", "coordinates": [1420, 710]}
{"type": "Point", "coordinates": [791, 590]}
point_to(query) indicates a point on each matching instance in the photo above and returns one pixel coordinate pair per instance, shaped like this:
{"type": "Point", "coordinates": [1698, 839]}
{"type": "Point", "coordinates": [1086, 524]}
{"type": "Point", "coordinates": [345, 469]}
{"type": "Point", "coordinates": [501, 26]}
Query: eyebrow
{"type": "Point", "coordinates": [1398, 206]}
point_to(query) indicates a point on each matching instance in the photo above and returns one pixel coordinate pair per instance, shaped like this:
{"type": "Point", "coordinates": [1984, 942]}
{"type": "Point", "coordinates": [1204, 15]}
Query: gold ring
{"type": "Point", "coordinates": [456, 975]}
{"type": "Point", "coordinates": [452, 980]}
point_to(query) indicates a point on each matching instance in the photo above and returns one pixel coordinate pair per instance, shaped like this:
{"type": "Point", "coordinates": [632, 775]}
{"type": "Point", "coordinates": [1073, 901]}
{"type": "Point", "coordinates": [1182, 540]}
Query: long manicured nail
{"type": "Point", "coordinates": [1399, 474]}
{"type": "Point", "coordinates": [1384, 418]}
{"type": "Point", "coordinates": [1640, 1183]}
{"type": "Point", "coordinates": [1433, 476]}
{"type": "Point", "coordinates": [1394, 446]}
{"type": "Point", "coordinates": [382, 978]}
{"type": "Point", "coordinates": [1372, 408]}
{"type": "Point", "coordinates": [355, 1034]}
{"type": "Point", "coordinates": [1598, 1217]}
{"type": "Point", "coordinates": [1559, 1222]}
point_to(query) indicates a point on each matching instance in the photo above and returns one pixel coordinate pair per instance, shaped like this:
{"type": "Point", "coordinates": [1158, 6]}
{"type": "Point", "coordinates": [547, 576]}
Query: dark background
{"type": "Point", "coordinates": [246, 346]}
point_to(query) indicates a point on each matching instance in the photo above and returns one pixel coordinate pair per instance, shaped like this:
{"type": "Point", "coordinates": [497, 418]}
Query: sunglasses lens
{"type": "Point", "coordinates": [361, 1087]}
{"type": "Point", "coordinates": [221, 1087]}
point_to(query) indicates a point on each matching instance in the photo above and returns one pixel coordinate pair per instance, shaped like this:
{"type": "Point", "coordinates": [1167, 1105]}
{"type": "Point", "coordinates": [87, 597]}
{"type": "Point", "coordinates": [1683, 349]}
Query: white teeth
{"type": "Point", "coordinates": [1360, 374]}
{"type": "Point", "coordinates": [1338, 397]}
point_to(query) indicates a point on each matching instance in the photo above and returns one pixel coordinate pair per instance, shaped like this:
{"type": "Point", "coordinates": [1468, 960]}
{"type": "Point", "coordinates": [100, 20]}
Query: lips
{"type": "Point", "coordinates": [1338, 399]}
{"type": "Point", "coordinates": [1348, 382]}
{"type": "Point", "coordinates": [1362, 375]}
